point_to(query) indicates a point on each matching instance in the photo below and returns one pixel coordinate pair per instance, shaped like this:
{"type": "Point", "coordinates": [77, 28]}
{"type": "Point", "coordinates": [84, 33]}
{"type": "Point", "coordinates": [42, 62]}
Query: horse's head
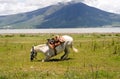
{"type": "Point", "coordinates": [33, 53]}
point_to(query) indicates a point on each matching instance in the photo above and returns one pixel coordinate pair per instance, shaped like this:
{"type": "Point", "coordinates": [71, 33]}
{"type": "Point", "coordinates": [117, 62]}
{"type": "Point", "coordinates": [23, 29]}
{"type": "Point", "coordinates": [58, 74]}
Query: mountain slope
{"type": "Point", "coordinates": [69, 15]}
{"type": "Point", "coordinates": [78, 15]}
{"type": "Point", "coordinates": [22, 19]}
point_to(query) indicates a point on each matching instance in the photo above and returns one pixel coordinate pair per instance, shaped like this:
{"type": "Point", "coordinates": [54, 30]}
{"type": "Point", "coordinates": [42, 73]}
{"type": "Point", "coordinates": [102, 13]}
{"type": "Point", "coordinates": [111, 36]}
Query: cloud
{"type": "Point", "coordinates": [110, 6]}
{"type": "Point", "coordinates": [13, 6]}
{"type": "Point", "coordinates": [18, 6]}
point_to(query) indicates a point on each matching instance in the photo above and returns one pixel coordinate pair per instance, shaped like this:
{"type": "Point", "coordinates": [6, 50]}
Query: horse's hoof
{"type": "Point", "coordinates": [43, 60]}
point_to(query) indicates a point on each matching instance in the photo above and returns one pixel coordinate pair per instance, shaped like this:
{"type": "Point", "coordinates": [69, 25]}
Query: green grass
{"type": "Point", "coordinates": [98, 58]}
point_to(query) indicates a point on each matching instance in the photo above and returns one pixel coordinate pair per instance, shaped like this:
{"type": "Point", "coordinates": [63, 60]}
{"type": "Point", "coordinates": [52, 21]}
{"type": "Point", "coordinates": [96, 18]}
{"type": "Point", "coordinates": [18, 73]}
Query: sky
{"type": "Point", "coordinates": [107, 5]}
{"type": "Point", "coordinates": [17, 6]}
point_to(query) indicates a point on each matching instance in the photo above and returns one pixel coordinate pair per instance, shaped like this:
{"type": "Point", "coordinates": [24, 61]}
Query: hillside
{"type": "Point", "coordinates": [71, 15]}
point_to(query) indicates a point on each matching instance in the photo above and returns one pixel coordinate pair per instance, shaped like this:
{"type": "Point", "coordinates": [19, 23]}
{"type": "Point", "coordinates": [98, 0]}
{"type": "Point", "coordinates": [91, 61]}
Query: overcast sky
{"type": "Point", "coordinates": [107, 5]}
{"type": "Point", "coordinates": [17, 6]}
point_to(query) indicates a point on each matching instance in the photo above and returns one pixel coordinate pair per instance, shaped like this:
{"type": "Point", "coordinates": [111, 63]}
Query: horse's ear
{"type": "Point", "coordinates": [48, 39]}
{"type": "Point", "coordinates": [32, 48]}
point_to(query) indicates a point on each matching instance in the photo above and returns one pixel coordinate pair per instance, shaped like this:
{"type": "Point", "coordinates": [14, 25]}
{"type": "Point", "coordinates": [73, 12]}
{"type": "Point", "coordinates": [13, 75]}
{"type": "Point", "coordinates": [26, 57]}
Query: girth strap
{"type": "Point", "coordinates": [55, 51]}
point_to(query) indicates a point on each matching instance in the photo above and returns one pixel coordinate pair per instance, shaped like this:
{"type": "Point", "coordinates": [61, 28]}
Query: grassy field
{"type": "Point", "coordinates": [98, 58]}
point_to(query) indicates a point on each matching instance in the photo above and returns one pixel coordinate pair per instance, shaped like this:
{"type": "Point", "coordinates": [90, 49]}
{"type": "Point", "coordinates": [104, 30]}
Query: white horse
{"type": "Point", "coordinates": [48, 52]}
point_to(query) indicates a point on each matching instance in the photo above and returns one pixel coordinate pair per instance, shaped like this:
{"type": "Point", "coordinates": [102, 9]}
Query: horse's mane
{"type": "Point", "coordinates": [41, 45]}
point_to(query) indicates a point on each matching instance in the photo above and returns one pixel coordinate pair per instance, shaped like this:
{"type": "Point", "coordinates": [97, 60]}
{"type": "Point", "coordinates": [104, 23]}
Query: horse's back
{"type": "Point", "coordinates": [41, 48]}
{"type": "Point", "coordinates": [67, 38]}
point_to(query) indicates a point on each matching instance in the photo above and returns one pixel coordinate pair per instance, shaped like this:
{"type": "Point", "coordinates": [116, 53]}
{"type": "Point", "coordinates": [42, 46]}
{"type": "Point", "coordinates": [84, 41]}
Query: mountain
{"type": "Point", "coordinates": [69, 15]}
{"type": "Point", "coordinates": [79, 15]}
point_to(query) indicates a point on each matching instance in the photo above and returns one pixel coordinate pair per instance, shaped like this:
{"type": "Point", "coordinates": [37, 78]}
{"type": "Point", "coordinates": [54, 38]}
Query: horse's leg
{"type": "Point", "coordinates": [46, 59]}
{"type": "Point", "coordinates": [65, 54]}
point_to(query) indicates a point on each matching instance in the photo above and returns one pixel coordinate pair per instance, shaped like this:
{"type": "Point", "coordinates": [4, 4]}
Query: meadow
{"type": "Point", "coordinates": [98, 57]}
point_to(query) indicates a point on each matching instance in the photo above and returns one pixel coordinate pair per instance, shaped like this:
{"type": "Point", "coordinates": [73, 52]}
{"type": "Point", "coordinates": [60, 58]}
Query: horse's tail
{"type": "Point", "coordinates": [74, 49]}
